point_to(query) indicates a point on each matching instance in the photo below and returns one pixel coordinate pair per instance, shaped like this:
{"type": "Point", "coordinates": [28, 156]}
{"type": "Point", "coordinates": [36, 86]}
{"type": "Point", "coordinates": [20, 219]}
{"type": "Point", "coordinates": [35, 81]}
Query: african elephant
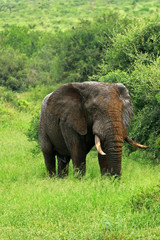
{"type": "Point", "coordinates": [77, 116]}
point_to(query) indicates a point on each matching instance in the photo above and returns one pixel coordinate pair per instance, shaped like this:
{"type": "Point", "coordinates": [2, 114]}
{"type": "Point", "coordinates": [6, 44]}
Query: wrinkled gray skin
{"type": "Point", "coordinates": [73, 114]}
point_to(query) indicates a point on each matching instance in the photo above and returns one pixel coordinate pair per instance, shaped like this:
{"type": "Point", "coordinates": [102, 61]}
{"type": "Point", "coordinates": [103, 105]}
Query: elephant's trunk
{"type": "Point", "coordinates": [111, 162]}
{"type": "Point", "coordinates": [135, 144]}
{"type": "Point", "coordinates": [114, 156]}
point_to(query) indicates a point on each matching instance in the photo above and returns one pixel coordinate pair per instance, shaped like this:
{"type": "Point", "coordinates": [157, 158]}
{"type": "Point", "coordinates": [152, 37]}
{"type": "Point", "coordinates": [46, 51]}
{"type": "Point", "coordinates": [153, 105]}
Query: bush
{"type": "Point", "coordinates": [142, 38]}
{"type": "Point", "coordinates": [21, 38]}
{"type": "Point", "coordinates": [10, 97]}
{"type": "Point", "coordinates": [144, 87]}
{"type": "Point", "coordinates": [27, 58]}
{"type": "Point", "coordinates": [80, 51]}
{"type": "Point", "coordinates": [32, 132]}
{"type": "Point", "coordinates": [13, 69]}
{"type": "Point", "coordinates": [7, 95]}
{"type": "Point", "coordinates": [68, 56]}
{"type": "Point", "coordinates": [145, 82]}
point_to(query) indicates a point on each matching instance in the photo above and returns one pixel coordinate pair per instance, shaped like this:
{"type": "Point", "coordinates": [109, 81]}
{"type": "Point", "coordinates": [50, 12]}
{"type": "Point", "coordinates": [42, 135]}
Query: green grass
{"type": "Point", "coordinates": [54, 15]}
{"type": "Point", "coordinates": [32, 206]}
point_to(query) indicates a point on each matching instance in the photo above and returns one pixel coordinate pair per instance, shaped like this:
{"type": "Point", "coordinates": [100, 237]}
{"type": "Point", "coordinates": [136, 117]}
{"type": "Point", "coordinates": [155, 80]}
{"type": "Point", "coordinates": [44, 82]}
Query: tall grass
{"type": "Point", "coordinates": [32, 206]}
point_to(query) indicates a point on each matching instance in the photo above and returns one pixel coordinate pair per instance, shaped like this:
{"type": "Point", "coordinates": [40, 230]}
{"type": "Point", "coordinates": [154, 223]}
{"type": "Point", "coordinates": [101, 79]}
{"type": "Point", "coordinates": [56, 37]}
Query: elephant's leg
{"type": "Point", "coordinates": [50, 163]}
{"type": "Point", "coordinates": [103, 163]}
{"type": "Point", "coordinates": [76, 148]}
{"type": "Point", "coordinates": [79, 159]}
{"type": "Point", "coordinates": [49, 156]}
{"type": "Point", "coordinates": [63, 165]}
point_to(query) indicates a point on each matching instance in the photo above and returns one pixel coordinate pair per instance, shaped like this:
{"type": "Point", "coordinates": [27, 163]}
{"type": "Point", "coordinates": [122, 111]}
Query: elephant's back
{"type": "Point", "coordinates": [44, 102]}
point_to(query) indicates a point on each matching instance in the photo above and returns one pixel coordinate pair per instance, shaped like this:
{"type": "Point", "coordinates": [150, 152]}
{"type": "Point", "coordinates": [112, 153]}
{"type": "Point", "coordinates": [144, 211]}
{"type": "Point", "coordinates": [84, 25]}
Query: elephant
{"type": "Point", "coordinates": [77, 116]}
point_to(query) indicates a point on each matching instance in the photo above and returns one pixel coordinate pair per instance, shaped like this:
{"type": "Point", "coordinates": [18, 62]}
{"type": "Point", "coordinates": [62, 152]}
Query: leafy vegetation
{"type": "Point", "coordinates": [44, 44]}
{"type": "Point", "coordinates": [144, 86]}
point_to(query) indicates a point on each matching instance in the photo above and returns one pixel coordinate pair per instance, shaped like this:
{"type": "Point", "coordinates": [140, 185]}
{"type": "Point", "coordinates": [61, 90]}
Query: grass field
{"type": "Point", "coordinates": [51, 15]}
{"type": "Point", "coordinates": [32, 206]}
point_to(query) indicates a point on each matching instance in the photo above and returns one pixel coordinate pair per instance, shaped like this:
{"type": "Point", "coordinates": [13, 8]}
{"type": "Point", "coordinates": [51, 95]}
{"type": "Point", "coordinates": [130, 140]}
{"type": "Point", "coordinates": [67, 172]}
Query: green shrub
{"type": "Point", "coordinates": [10, 97]}
{"type": "Point", "coordinates": [22, 104]}
{"type": "Point", "coordinates": [35, 51]}
{"type": "Point", "coordinates": [80, 51]}
{"type": "Point", "coordinates": [145, 82]}
{"type": "Point", "coordinates": [13, 69]}
{"type": "Point", "coordinates": [143, 38]}
{"type": "Point", "coordinates": [144, 87]}
{"type": "Point", "coordinates": [7, 95]}
{"type": "Point", "coordinates": [32, 132]}
{"type": "Point", "coordinates": [21, 38]}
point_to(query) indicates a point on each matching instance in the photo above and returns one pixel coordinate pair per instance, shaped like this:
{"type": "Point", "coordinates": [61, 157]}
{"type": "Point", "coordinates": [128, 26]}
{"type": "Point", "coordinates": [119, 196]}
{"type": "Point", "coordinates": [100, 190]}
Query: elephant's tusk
{"type": "Point", "coordinates": [98, 145]}
{"type": "Point", "coordinates": [135, 144]}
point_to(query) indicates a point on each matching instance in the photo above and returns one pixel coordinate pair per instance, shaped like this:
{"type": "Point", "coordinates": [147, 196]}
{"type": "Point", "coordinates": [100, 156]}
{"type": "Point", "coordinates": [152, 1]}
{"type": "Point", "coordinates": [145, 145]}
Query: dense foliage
{"type": "Point", "coordinates": [134, 59]}
{"type": "Point", "coordinates": [110, 48]}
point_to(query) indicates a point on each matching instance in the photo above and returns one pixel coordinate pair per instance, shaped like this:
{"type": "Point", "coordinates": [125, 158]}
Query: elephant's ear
{"type": "Point", "coordinates": [66, 104]}
{"type": "Point", "coordinates": [127, 110]}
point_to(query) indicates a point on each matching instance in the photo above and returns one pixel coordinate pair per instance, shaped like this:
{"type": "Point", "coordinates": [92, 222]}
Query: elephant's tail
{"type": "Point", "coordinates": [135, 144]}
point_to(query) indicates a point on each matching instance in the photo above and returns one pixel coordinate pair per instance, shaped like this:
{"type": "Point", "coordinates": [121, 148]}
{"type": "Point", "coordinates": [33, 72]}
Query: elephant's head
{"type": "Point", "coordinates": [98, 110]}
{"type": "Point", "coordinates": [110, 109]}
